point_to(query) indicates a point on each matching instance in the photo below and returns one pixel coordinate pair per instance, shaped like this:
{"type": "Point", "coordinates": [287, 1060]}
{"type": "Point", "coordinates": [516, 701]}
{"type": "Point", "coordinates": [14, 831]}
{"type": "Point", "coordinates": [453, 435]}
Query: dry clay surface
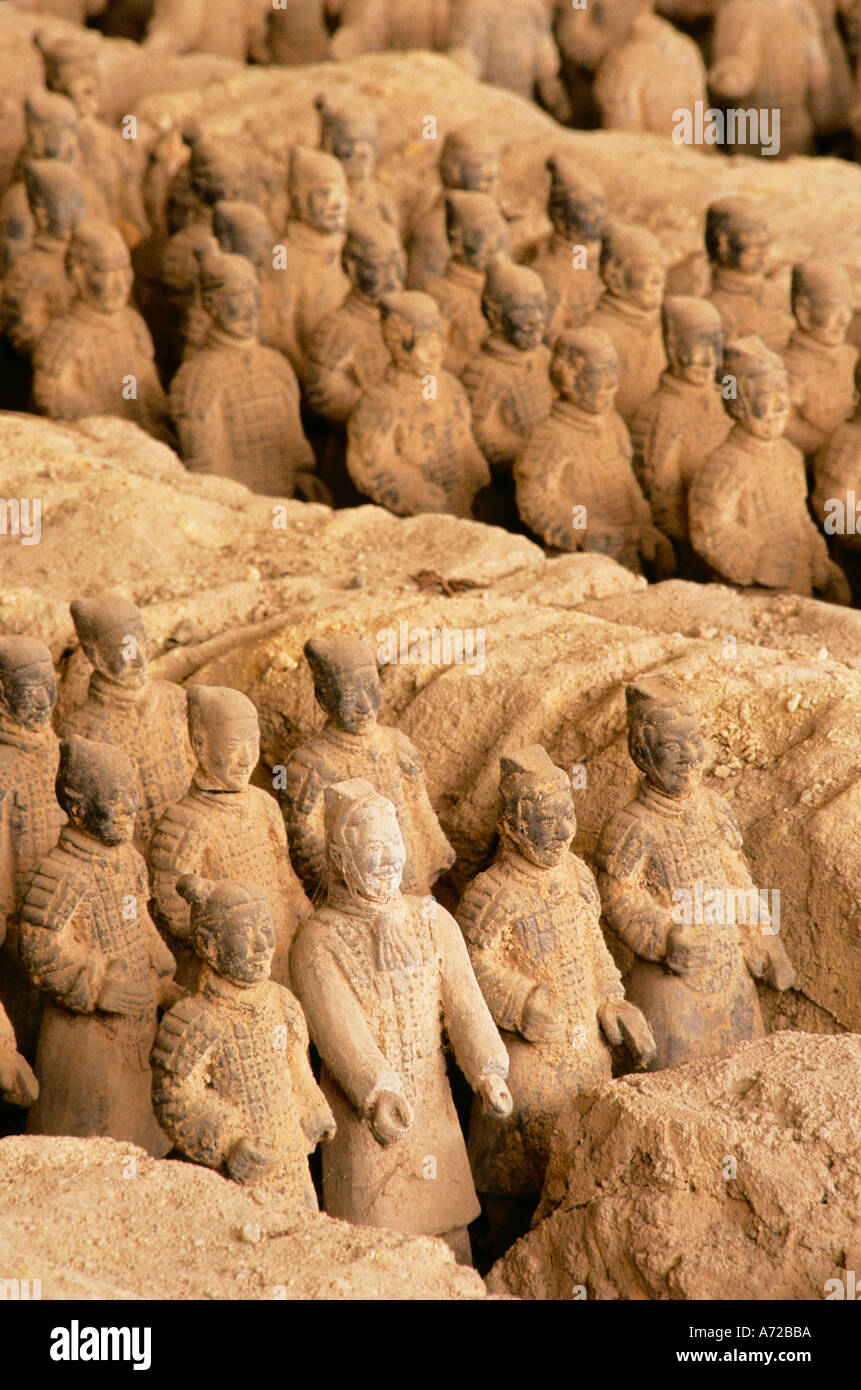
{"type": "Point", "coordinates": [735, 1178]}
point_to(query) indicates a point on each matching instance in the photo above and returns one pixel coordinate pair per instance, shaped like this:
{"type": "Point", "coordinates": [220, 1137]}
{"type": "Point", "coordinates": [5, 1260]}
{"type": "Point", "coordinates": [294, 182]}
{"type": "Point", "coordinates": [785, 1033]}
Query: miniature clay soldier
{"type": "Point", "coordinates": [509, 43]}
{"type": "Point", "coordinates": [410, 445]}
{"type": "Point", "coordinates": [837, 479]}
{"type": "Point", "coordinates": [346, 353]}
{"type": "Point", "coordinates": [575, 484]}
{"type": "Point", "coordinates": [223, 827]}
{"type": "Point", "coordinates": [316, 229]}
{"type": "Point", "coordinates": [348, 130]}
{"type": "Point", "coordinates": [243, 229]}
{"type": "Point", "coordinates": [232, 1084]}
{"type": "Point", "coordinates": [90, 944]}
{"type": "Point", "coordinates": [369, 26]}
{"type": "Point", "coordinates": [379, 976]}
{"type": "Point", "coordinates": [570, 263]}
{"type": "Point", "coordinates": [532, 926]}
{"type": "Point", "coordinates": [235, 403]}
{"type": "Point", "coordinates": [469, 160]}
{"type": "Point", "coordinates": [821, 364]}
{"type": "Point", "coordinates": [673, 856]}
{"type": "Point", "coordinates": [145, 718]}
{"type": "Point", "coordinates": [508, 384]}
{"type": "Point", "coordinates": [30, 815]}
{"type": "Point", "coordinates": [97, 359]}
{"type": "Point", "coordinates": [37, 288]}
{"type": "Point", "coordinates": [747, 505]}
{"type": "Point", "coordinates": [18, 1084]}
{"type": "Point", "coordinates": [352, 744]}
{"type": "Point", "coordinates": [685, 421]}
{"type": "Point", "coordinates": [478, 235]}
{"type": "Point", "coordinates": [739, 243]}
{"type": "Point", "coordinates": [633, 269]}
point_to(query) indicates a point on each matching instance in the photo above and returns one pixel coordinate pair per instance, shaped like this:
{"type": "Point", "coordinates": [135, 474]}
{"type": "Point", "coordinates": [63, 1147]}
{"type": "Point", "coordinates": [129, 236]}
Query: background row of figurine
{"type": "Point", "coordinates": [147, 806]}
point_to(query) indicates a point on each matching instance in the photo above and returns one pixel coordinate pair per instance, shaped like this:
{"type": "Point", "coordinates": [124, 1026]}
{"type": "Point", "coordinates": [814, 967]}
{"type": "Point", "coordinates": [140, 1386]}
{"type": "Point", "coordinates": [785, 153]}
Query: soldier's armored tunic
{"type": "Point", "coordinates": [317, 280]}
{"type": "Point", "coordinates": [573, 290]}
{"type": "Point", "coordinates": [636, 335]}
{"type": "Point", "coordinates": [509, 393]}
{"type": "Point", "coordinates": [837, 473]}
{"type": "Point", "coordinates": [822, 387]}
{"type": "Point", "coordinates": [751, 304]}
{"type": "Point", "coordinates": [346, 355]}
{"type": "Point", "coordinates": [458, 294]}
{"type": "Point", "coordinates": [674, 433]}
{"type": "Point", "coordinates": [34, 293]}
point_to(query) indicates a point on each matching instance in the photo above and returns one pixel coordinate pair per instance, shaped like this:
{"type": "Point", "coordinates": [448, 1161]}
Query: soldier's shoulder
{"type": "Point", "coordinates": [186, 1031]}
{"type": "Point", "coordinates": [56, 345]}
{"type": "Point", "coordinates": [180, 826]}
{"type": "Point", "coordinates": [722, 813]}
{"type": "Point", "coordinates": [334, 338]}
{"type": "Point", "coordinates": [487, 904]}
{"type": "Point", "coordinates": [583, 881]}
{"type": "Point", "coordinates": [55, 889]}
{"type": "Point", "coordinates": [623, 841]}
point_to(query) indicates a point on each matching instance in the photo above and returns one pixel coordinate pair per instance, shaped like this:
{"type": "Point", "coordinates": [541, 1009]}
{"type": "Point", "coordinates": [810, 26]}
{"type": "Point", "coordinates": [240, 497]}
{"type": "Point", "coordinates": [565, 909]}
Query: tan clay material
{"type": "Point", "coordinates": [380, 976]}
{"type": "Point", "coordinates": [37, 288]}
{"type": "Point", "coordinates": [90, 944]}
{"type": "Point", "coordinates": [478, 235]}
{"type": "Point", "coordinates": [232, 1084]}
{"type": "Point", "coordinates": [225, 828]}
{"type": "Point", "coordinates": [233, 28]}
{"type": "Point", "coordinates": [366, 26]}
{"type": "Point", "coordinates": [243, 229]}
{"type": "Point", "coordinates": [570, 263]}
{"type": "Point", "coordinates": [353, 744]}
{"type": "Point", "coordinates": [509, 43]}
{"type": "Point", "coordinates": [739, 245]}
{"type": "Point", "coordinates": [633, 269]}
{"type": "Point", "coordinates": [18, 1084]}
{"type": "Point", "coordinates": [410, 445]}
{"type": "Point", "coordinates": [348, 130]}
{"type": "Point", "coordinates": [837, 478]}
{"type": "Point", "coordinates": [319, 207]}
{"type": "Point", "coordinates": [676, 890]}
{"type": "Point", "coordinates": [821, 364]}
{"type": "Point", "coordinates": [469, 161]}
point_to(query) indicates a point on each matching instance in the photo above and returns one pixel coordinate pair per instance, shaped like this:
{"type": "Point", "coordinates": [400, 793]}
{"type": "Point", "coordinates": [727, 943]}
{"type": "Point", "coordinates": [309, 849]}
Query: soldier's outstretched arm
{"type": "Point", "coordinates": [476, 1043]}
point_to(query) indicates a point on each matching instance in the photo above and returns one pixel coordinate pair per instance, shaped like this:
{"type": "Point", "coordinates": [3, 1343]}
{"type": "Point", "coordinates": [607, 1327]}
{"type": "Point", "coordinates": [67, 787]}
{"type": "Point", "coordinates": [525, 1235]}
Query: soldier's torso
{"type": "Point", "coordinates": [36, 817]}
{"type": "Point", "coordinates": [595, 474]}
{"type": "Point", "coordinates": [572, 291]}
{"type": "Point", "coordinates": [519, 384]}
{"type": "Point", "coordinates": [828, 380]}
{"type": "Point", "coordinates": [235, 841]}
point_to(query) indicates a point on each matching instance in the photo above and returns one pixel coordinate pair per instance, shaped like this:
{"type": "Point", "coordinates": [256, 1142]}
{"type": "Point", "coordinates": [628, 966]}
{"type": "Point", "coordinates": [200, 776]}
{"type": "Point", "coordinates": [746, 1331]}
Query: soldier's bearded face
{"type": "Point", "coordinates": [245, 950]}
{"type": "Point", "coordinates": [29, 696]}
{"type": "Point", "coordinates": [544, 827]}
{"type": "Point", "coordinates": [111, 818]}
{"type": "Point", "coordinates": [675, 755]}
{"type": "Point", "coordinates": [228, 754]}
{"type": "Point", "coordinates": [374, 862]}
{"type": "Point", "coordinates": [356, 701]}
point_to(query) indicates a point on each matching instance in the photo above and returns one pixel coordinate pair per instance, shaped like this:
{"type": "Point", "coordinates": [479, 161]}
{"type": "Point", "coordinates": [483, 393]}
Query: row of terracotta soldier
{"type": "Point", "coordinates": [155, 812]}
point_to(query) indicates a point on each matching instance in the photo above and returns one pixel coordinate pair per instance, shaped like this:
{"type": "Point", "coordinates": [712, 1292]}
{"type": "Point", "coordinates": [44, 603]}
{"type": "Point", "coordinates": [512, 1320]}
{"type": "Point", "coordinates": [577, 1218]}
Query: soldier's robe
{"type": "Point", "coordinates": [509, 394]}
{"type": "Point", "coordinates": [673, 434]}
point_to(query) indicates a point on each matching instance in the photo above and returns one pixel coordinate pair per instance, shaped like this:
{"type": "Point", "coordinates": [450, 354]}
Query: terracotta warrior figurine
{"type": "Point", "coordinates": [317, 226]}
{"type": "Point", "coordinates": [346, 352]}
{"type": "Point", "coordinates": [30, 815]}
{"type": "Point", "coordinates": [410, 445]}
{"type": "Point", "coordinates": [837, 479]}
{"type": "Point", "coordinates": [232, 28]}
{"type": "Point", "coordinates": [225, 828]}
{"type": "Point", "coordinates": [633, 269]}
{"type": "Point", "coordinates": [570, 263]}
{"type": "Point", "coordinates": [232, 1084]}
{"type": "Point", "coordinates": [469, 161]}
{"type": "Point", "coordinates": [18, 1084]}
{"type": "Point", "coordinates": [821, 364]}
{"type": "Point", "coordinates": [677, 891]}
{"type": "Point", "coordinates": [368, 26]}
{"type": "Point", "coordinates": [685, 421]}
{"type": "Point", "coordinates": [739, 246]}
{"type": "Point", "coordinates": [509, 43]}
{"type": "Point", "coordinates": [508, 383]}
{"type": "Point", "coordinates": [235, 403]}
{"type": "Point", "coordinates": [243, 229]}
{"type": "Point", "coordinates": [575, 485]}
{"type": "Point", "coordinates": [352, 744]}
{"type": "Point", "coordinates": [90, 944]}
{"type": "Point", "coordinates": [37, 288]}
{"type": "Point", "coordinates": [747, 505]}
{"type": "Point", "coordinates": [478, 235]}
{"type": "Point", "coordinates": [532, 925]}
{"type": "Point", "coordinates": [380, 976]}
{"type": "Point", "coordinates": [348, 130]}
{"type": "Point", "coordinates": [146, 718]}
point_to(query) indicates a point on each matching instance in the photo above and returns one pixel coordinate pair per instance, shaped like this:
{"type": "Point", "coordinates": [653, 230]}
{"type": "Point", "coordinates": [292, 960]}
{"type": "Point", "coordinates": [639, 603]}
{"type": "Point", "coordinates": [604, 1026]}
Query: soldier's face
{"type": "Point", "coordinates": [374, 862]}
{"type": "Point", "coordinates": [747, 250]}
{"type": "Point", "coordinates": [354, 704]}
{"type": "Point", "coordinates": [105, 282]}
{"type": "Point", "coordinates": [237, 311]}
{"type": "Point", "coordinates": [30, 695]}
{"type": "Point", "coordinates": [544, 827]}
{"type": "Point", "coordinates": [83, 92]}
{"type": "Point", "coordinates": [481, 175]}
{"type": "Point", "coordinates": [228, 753]}
{"type": "Point", "coordinates": [47, 140]}
{"type": "Point", "coordinates": [111, 818]}
{"type": "Point", "coordinates": [694, 358]}
{"type": "Point", "coordinates": [327, 208]}
{"type": "Point", "coordinates": [122, 654]}
{"type": "Point", "coordinates": [524, 323]}
{"type": "Point", "coordinates": [593, 388]}
{"type": "Point", "coordinates": [674, 755]}
{"type": "Point", "coordinates": [358, 158]}
{"type": "Point", "coordinates": [245, 949]}
{"type": "Point", "coordinates": [826, 320]}
{"type": "Point", "coordinates": [415, 347]}
{"type": "Point", "coordinates": [380, 274]}
{"type": "Point", "coordinates": [766, 405]}
{"type": "Point", "coordinates": [644, 283]}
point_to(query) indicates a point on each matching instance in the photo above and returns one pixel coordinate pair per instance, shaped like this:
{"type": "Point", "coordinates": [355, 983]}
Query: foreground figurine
{"type": "Point", "coordinates": [570, 263]}
{"type": "Point", "coordinates": [739, 246]}
{"type": "Point", "coordinates": [225, 828]}
{"type": "Point", "coordinates": [821, 364]}
{"type": "Point", "coordinates": [633, 269]}
{"type": "Point", "coordinates": [352, 744]}
{"type": "Point", "coordinates": [146, 718]}
{"type": "Point", "coordinates": [380, 976]}
{"type": "Point", "coordinates": [410, 445]}
{"type": "Point", "coordinates": [674, 884]}
{"type": "Point", "coordinates": [747, 505]}
{"type": "Point", "coordinates": [90, 944]}
{"type": "Point", "coordinates": [232, 1084]}
{"type": "Point", "coordinates": [478, 235]}
{"type": "Point", "coordinates": [532, 925]}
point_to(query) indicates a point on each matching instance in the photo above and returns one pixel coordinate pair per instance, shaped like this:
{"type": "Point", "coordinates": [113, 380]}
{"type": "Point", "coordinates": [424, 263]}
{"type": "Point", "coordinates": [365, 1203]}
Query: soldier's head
{"type": "Point", "coordinates": [317, 188]}
{"type": "Point", "coordinates": [215, 170]}
{"type": "Point", "coordinates": [693, 338]}
{"type": "Point", "coordinates": [364, 846]}
{"type": "Point", "coordinates": [585, 36]}
{"type": "Point", "coordinates": [412, 331]}
{"type": "Point", "coordinates": [469, 160]}
{"type": "Point", "coordinates": [97, 788]}
{"type": "Point", "coordinates": [761, 401]}
{"type": "Point", "coordinates": [28, 685]}
{"type": "Point", "coordinates": [348, 130]}
{"type": "Point", "coordinates": [514, 302]}
{"type": "Point", "coordinates": [229, 291]}
{"type": "Point", "coordinates": [346, 682]}
{"type": "Point", "coordinates": [112, 633]}
{"type": "Point", "coordinates": [55, 196]}
{"type": "Point", "coordinates": [224, 735]}
{"type": "Point", "coordinates": [99, 266]}
{"type": "Point", "coordinates": [52, 127]}
{"type": "Point", "coordinates": [633, 266]}
{"type": "Point", "coordinates": [577, 205]}
{"type": "Point", "coordinates": [664, 738]}
{"type": "Point", "coordinates": [231, 927]}
{"type": "Point", "coordinates": [737, 236]}
{"type": "Point", "coordinates": [477, 231]}
{"type": "Point", "coordinates": [72, 69]}
{"type": "Point", "coordinates": [584, 369]}
{"type": "Point", "coordinates": [822, 302]}
{"type": "Point", "coordinates": [374, 258]}
{"type": "Point", "coordinates": [242, 229]}
{"type": "Point", "coordinates": [536, 806]}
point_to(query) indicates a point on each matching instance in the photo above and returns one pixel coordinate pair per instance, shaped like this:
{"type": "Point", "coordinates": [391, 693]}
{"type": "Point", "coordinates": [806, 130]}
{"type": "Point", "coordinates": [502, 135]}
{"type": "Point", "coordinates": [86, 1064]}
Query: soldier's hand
{"type": "Point", "coordinates": [391, 1117]}
{"type": "Point", "coordinates": [120, 994]}
{"type": "Point", "coordinates": [623, 1022]}
{"type": "Point", "coordinates": [248, 1164]}
{"type": "Point", "coordinates": [18, 1085]}
{"type": "Point", "coordinates": [756, 958]}
{"type": "Point", "coordinates": [319, 1126]}
{"type": "Point", "coordinates": [834, 587]}
{"type": "Point", "coordinates": [543, 1018]}
{"type": "Point", "coordinates": [779, 970]}
{"type": "Point", "coordinates": [686, 954]}
{"type": "Point", "coordinates": [495, 1096]}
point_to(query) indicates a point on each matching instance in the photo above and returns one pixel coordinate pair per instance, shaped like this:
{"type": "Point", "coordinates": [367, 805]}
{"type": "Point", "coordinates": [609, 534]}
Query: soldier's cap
{"type": "Point", "coordinates": [349, 803]}
{"type": "Point", "coordinates": [738, 216]}
{"type": "Point", "coordinates": [215, 169]}
{"type": "Point", "coordinates": [22, 653]}
{"type": "Point", "coordinates": [212, 706]}
{"type": "Point", "coordinates": [471, 143]}
{"type": "Point", "coordinates": [530, 773]}
{"type": "Point", "coordinates": [473, 211]}
{"type": "Point", "coordinates": [571, 183]}
{"type": "Point", "coordinates": [218, 270]}
{"type": "Point", "coordinates": [419, 310]}
{"type": "Point", "coordinates": [58, 186]}
{"type": "Point", "coordinates": [588, 345]}
{"type": "Point", "coordinates": [623, 242]}
{"type": "Point", "coordinates": [96, 771]}
{"type": "Point", "coordinates": [50, 108]}
{"type": "Point", "coordinates": [331, 658]}
{"type": "Point", "coordinates": [747, 358]}
{"type": "Point", "coordinates": [684, 314]}
{"type": "Point", "coordinates": [242, 229]}
{"type": "Point", "coordinates": [506, 282]}
{"type": "Point", "coordinates": [66, 54]}
{"type": "Point", "coordinates": [309, 169]}
{"type": "Point", "coordinates": [653, 698]}
{"type": "Point", "coordinates": [92, 238]}
{"type": "Point", "coordinates": [347, 118]}
{"type": "Point", "coordinates": [215, 902]}
{"type": "Point", "coordinates": [370, 237]}
{"type": "Point", "coordinates": [103, 616]}
{"type": "Point", "coordinates": [821, 282]}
